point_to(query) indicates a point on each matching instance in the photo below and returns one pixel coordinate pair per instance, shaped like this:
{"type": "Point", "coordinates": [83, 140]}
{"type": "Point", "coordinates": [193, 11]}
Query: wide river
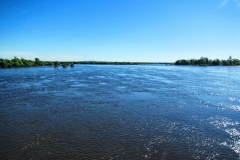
{"type": "Point", "coordinates": [120, 112]}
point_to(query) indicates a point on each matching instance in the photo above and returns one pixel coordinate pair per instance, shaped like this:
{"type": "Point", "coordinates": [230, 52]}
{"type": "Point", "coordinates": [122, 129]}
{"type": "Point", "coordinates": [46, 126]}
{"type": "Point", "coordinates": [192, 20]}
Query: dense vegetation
{"type": "Point", "coordinates": [16, 62]}
{"type": "Point", "coordinates": [204, 61]}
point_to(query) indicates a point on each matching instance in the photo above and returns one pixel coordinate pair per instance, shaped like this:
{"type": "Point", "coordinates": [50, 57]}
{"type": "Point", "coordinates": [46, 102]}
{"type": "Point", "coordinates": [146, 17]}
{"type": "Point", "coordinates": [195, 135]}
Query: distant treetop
{"type": "Point", "coordinates": [204, 61]}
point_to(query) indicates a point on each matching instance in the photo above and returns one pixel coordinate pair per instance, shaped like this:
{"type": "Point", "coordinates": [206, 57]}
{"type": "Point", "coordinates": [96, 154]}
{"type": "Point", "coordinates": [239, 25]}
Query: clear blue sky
{"type": "Point", "coordinates": [119, 30]}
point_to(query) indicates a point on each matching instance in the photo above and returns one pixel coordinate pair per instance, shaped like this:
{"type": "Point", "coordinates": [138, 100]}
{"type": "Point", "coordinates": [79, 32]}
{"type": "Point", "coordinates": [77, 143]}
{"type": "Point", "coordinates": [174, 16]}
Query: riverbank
{"type": "Point", "coordinates": [204, 61]}
{"type": "Point", "coordinates": [16, 62]}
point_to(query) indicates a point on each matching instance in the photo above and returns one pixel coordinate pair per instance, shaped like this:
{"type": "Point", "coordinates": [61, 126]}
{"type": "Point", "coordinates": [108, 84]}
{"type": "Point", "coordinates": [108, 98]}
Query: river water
{"type": "Point", "coordinates": [120, 112]}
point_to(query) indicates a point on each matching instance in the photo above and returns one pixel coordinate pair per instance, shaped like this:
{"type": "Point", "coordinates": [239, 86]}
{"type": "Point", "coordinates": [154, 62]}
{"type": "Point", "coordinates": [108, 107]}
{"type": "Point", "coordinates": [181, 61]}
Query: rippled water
{"type": "Point", "coordinates": [120, 112]}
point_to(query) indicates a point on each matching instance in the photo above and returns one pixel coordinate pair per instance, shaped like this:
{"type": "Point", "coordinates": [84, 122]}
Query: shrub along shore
{"type": "Point", "coordinates": [16, 62]}
{"type": "Point", "coordinates": [204, 61]}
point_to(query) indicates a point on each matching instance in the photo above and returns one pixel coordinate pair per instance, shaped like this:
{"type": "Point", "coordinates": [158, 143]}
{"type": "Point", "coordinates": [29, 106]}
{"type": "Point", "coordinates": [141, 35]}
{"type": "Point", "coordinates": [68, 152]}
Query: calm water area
{"type": "Point", "coordinates": [160, 112]}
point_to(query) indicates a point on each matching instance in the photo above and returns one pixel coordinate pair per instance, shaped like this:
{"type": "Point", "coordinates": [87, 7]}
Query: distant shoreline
{"type": "Point", "coordinates": [16, 63]}
{"type": "Point", "coordinates": [203, 61]}
{"type": "Point", "coordinates": [118, 63]}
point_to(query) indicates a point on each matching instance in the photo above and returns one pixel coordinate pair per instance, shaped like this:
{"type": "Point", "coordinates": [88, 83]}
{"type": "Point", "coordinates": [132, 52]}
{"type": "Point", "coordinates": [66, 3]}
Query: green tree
{"type": "Point", "coordinates": [37, 62]}
{"type": "Point", "coordinates": [216, 62]}
{"type": "Point", "coordinates": [56, 63]}
{"type": "Point", "coordinates": [203, 61]}
{"type": "Point", "coordinates": [236, 62]}
{"type": "Point", "coordinates": [230, 61]}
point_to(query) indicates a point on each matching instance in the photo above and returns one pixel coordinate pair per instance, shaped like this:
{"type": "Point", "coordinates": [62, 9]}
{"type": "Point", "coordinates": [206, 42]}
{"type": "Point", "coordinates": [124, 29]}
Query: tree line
{"type": "Point", "coordinates": [16, 62]}
{"type": "Point", "coordinates": [21, 62]}
{"type": "Point", "coordinates": [204, 61]}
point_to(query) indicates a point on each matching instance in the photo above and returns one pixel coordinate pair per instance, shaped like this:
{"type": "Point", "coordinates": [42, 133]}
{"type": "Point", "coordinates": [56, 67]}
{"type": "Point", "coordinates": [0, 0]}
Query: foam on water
{"type": "Point", "coordinates": [233, 99]}
{"type": "Point", "coordinates": [234, 107]}
{"type": "Point", "coordinates": [232, 128]}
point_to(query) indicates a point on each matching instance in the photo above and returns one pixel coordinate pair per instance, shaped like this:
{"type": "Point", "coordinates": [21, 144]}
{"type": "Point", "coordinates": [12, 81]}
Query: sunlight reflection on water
{"type": "Point", "coordinates": [120, 112]}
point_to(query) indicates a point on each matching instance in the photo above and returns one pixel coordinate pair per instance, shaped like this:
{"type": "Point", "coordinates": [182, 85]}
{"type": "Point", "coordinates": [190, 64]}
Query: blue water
{"type": "Point", "coordinates": [120, 112]}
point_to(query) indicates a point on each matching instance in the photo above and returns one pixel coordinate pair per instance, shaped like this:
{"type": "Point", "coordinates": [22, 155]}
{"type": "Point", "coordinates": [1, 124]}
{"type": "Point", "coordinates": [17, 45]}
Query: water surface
{"type": "Point", "coordinates": [120, 112]}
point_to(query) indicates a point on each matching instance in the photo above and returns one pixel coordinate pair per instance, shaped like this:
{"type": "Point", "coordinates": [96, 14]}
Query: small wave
{"type": "Point", "coordinates": [233, 99]}
{"type": "Point", "coordinates": [222, 122]}
{"type": "Point", "coordinates": [233, 132]}
{"type": "Point", "coordinates": [230, 127]}
{"type": "Point", "coordinates": [234, 107]}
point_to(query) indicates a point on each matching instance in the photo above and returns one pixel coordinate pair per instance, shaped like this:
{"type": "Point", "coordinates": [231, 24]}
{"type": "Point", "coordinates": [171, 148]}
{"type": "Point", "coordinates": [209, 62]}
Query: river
{"type": "Point", "coordinates": [120, 112]}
